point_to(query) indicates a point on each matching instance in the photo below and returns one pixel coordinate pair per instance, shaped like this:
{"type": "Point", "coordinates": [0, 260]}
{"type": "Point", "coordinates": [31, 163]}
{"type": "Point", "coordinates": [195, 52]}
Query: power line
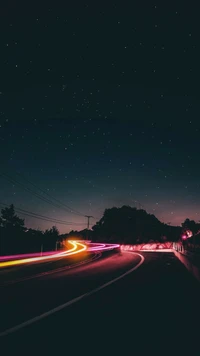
{"type": "Point", "coordinates": [43, 191]}
{"type": "Point", "coordinates": [42, 217]}
{"type": "Point", "coordinates": [50, 218]}
{"type": "Point", "coordinates": [14, 181]}
{"type": "Point", "coordinates": [58, 204]}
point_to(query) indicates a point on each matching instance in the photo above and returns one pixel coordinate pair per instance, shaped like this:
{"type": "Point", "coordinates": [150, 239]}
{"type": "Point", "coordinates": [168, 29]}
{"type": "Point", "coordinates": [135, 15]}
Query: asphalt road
{"type": "Point", "coordinates": [13, 274]}
{"type": "Point", "coordinates": [153, 309]}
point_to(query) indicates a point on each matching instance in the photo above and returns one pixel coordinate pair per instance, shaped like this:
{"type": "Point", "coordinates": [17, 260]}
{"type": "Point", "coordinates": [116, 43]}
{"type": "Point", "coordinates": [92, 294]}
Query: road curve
{"type": "Point", "coordinates": [76, 248]}
{"type": "Point", "coordinates": [153, 310]}
{"type": "Point", "coordinates": [17, 268]}
{"type": "Point", "coordinates": [32, 298]}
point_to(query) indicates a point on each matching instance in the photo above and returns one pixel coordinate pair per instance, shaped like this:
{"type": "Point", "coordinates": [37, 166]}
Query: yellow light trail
{"type": "Point", "coordinates": [74, 250]}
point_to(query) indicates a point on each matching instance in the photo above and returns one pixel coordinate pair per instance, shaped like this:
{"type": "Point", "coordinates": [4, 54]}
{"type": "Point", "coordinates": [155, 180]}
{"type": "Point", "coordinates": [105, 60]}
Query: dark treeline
{"type": "Point", "coordinates": [190, 225]}
{"type": "Point", "coordinates": [16, 238]}
{"type": "Point", "coordinates": [132, 226]}
{"type": "Point", "coordinates": [191, 230]}
{"type": "Point", "coordinates": [125, 225]}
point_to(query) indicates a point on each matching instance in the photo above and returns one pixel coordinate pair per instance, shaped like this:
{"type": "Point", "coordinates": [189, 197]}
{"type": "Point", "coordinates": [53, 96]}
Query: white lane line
{"type": "Point", "coordinates": [70, 302]}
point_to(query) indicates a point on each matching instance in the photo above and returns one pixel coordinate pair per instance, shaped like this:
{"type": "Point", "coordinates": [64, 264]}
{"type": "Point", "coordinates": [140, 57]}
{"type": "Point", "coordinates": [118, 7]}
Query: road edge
{"type": "Point", "coordinates": [72, 301]}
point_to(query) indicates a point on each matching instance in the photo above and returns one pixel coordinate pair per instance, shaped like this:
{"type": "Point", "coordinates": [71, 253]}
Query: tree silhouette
{"type": "Point", "coordinates": [15, 238]}
{"type": "Point", "coordinates": [9, 220]}
{"type": "Point", "coordinates": [124, 225]}
{"type": "Point", "coordinates": [33, 240]}
{"type": "Point", "coordinates": [190, 225]}
{"type": "Point", "coordinates": [12, 230]}
{"type": "Point", "coordinates": [132, 225]}
{"type": "Point", "coordinates": [51, 238]}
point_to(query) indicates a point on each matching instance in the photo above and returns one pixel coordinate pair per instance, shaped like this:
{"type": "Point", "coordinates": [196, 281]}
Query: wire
{"type": "Point", "coordinates": [14, 181]}
{"type": "Point", "coordinates": [43, 191]}
{"type": "Point", "coordinates": [42, 217]}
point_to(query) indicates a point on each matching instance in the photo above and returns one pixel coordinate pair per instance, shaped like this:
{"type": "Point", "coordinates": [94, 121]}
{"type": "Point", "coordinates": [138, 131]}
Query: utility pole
{"type": "Point", "coordinates": [88, 224]}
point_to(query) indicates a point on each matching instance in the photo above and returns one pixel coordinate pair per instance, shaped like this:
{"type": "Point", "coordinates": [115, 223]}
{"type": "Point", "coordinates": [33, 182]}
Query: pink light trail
{"type": "Point", "coordinates": [37, 256]}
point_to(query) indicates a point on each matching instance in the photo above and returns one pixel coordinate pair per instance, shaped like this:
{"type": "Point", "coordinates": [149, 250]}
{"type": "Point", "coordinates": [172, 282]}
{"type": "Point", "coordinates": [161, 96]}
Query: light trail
{"type": "Point", "coordinates": [96, 246]}
{"type": "Point", "coordinates": [68, 303]}
{"type": "Point", "coordinates": [27, 255]}
{"type": "Point", "coordinates": [14, 260]}
{"type": "Point", "coordinates": [103, 247]}
{"type": "Point", "coordinates": [72, 251]}
{"type": "Point", "coordinates": [95, 257]}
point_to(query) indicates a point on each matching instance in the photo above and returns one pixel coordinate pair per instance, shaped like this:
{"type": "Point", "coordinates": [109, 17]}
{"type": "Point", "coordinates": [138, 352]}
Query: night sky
{"type": "Point", "coordinates": [99, 107]}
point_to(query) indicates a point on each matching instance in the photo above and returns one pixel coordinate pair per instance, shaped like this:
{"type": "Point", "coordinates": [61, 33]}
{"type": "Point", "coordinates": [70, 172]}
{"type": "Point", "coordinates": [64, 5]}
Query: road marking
{"type": "Point", "coordinates": [70, 302]}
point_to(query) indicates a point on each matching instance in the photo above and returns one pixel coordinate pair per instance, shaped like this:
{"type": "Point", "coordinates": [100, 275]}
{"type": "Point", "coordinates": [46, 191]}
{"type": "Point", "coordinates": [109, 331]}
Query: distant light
{"type": "Point", "coordinates": [189, 233]}
{"type": "Point", "coordinates": [184, 237]}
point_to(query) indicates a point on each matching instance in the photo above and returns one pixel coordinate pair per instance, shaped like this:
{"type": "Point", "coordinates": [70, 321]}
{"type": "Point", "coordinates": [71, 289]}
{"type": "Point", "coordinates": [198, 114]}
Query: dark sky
{"type": "Point", "coordinates": [99, 107]}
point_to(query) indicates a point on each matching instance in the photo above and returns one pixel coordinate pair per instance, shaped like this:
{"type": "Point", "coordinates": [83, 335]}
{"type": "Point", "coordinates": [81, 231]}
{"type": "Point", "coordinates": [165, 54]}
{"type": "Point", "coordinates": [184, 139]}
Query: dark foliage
{"type": "Point", "coordinates": [16, 238]}
{"type": "Point", "coordinates": [124, 225]}
{"type": "Point", "coordinates": [131, 225]}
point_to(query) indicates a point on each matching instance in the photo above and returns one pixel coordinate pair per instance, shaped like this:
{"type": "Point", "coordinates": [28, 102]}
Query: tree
{"type": "Point", "coordinates": [12, 231]}
{"type": "Point", "coordinates": [33, 240]}
{"type": "Point", "coordinates": [131, 225]}
{"type": "Point", "coordinates": [128, 225]}
{"type": "Point", "coordinates": [190, 225]}
{"type": "Point", "coordinates": [51, 238]}
{"type": "Point", "coordinates": [9, 220]}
